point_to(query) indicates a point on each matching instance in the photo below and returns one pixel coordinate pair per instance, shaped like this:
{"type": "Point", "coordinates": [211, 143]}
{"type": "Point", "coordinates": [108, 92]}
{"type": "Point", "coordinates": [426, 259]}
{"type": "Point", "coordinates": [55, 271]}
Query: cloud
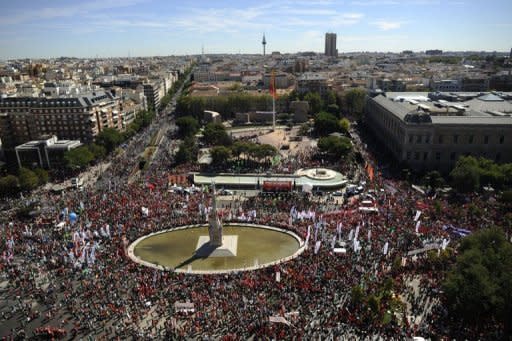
{"type": "Point", "coordinates": [71, 10]}
{"type": "Point", "coordinates": [375, 3]}
{"type": "Point", "coordinates": [386, 25]}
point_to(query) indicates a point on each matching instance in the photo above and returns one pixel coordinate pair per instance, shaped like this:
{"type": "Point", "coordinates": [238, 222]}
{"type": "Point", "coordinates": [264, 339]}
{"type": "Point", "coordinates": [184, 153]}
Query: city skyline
{"type": "Point", "coordinates": [112, 28]}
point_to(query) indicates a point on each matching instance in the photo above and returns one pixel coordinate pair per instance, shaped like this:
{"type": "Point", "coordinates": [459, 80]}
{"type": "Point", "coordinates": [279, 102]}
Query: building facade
{"type": "Point", "coordinates": [153, 91]}
{"type": "Point", "coordinates": [330, 45]}
{"type": "Point", "coordinates": [46, 153]}
{"type": "Point", "coordinates": [431, 135]}
{"type": "Point", "coordinates": [312, 82]}
{"type": "Point", "coordinates": [24, 119]}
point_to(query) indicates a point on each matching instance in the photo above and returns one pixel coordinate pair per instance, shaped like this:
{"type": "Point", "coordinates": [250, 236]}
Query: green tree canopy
{"type": "Point", "coordinates": [109, 138]}
{"type": "Point", "coordinates": [334, 146]}
{"type": "Point", "coordinates": [479, 286]}
{"type": "Point", "coordinates": [9, 185]}
{"type": "Point", "coordinates": [79, 157]}
{"type": "Point", "coordinates": [325, 123]}
{"type": "Point", "coordinates": [220, 155]}
{"type": "Point", "coordinates": [98, 151]}
{"type": "Point", "coordinates": [187, 151]}
{"type": "Point", "coordinates": [187, 126]}
{"type": "Point", "coordinates": [354, 100]}
{"type": "Point", "coordinates": [42, 176]}
{"type": "Point", "coordinates": [215, 134]}
{"type": "Point", "coordinates": [28, 179]}
{"type": "Point", "coordinates": [434, 179]}
{"type": "Point", "coordinates": [315, 101]}
{"type": "Point", "coordinates": [344, 125]}
{"type": "Point", "coordinates": [465, 176]}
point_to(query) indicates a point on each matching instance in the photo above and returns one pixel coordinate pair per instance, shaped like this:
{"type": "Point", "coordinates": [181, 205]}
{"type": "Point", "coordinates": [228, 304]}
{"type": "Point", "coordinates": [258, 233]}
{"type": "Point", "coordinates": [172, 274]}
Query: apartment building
{"type": "Point", "coordinates": [24, 119]}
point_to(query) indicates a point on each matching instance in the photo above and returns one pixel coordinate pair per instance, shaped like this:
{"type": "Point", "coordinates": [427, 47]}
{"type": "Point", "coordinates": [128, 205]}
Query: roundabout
{"type": "Point", "coordinates": [246, 247]}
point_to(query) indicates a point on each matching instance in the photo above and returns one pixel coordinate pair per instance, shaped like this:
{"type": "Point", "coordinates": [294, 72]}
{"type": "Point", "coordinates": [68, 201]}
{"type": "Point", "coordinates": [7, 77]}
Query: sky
{"type": "Point", "coordinates": [120, 28]}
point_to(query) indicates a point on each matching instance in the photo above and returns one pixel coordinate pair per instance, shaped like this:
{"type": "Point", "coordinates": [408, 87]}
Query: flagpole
{"type": "Point", "coordinates": [274, 112]}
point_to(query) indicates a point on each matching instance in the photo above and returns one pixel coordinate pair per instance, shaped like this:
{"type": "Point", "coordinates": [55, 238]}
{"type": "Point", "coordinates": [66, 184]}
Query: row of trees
{"type": "Point", "coordinates": [350, 102]}
{"type": "Point", "coordinates": [227, 105]}
{"type": "Point", "coordinates": [174, 88]}
{"type": "Point", "coordinates": [26, 180]}
{"type": "Point", "coordinates": [471, 173]}
{"type": "Point", "coordinates": [243, 152]}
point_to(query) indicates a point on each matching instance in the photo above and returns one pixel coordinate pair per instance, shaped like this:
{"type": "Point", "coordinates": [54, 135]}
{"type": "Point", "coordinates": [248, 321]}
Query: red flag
{"type": "Point", "coordinates": [272, 89]}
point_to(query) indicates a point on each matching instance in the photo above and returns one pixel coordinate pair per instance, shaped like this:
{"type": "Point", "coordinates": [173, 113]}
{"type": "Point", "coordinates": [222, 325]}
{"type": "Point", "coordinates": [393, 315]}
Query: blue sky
{"type": "Point", "coordinates": [43, 28]}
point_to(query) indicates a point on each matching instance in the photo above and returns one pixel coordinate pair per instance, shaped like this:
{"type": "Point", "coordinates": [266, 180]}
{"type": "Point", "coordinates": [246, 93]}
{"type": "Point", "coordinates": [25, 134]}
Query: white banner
{"type": "Point", "coordinates": [385, 250]}
{"type": "Point", "coordinates": [317, 246]}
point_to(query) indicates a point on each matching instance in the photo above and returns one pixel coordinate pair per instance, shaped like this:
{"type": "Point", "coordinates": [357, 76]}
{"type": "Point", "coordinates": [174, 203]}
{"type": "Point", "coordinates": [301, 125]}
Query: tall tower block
{"type": "Point", "coordinates": [264, 43]}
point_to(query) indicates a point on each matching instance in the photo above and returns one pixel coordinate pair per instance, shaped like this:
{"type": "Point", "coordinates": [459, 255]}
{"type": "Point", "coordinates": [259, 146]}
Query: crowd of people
{"type": "Point", "coordinates": [67, 268]}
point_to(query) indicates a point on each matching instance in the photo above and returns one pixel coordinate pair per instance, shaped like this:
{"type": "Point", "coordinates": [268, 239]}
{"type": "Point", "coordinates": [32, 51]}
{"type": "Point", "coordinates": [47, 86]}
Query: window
{"type": "Point", "coordinates": [416, 156]}
{"type": "Point", "coordinates": [455, 139]}
{"type": "Point", "coordinates": [425, 155]}
{"type": "Point", "coordinates": [408, 155]}
{"type": "Point", "coordinates": [440, 139]}
{"type": "Point", "coordinates": [438, 156]}
{"type": "Point", "coordinates": [502, 139]}
{"type": "Point", "coordinates": [418, 139]}
{"type": "Point", "coordinates": [470, 139]}
{"type": "Point", "coordinates": [411, 138]}
{"type": "Point", "coordinates": [486, 139]}
{"type": "Point", "coordinates": [427, 139]}
{"type": "Point", "coordinates": [498, 157]}
{"type": "Point", "coordinates": [452, 156]}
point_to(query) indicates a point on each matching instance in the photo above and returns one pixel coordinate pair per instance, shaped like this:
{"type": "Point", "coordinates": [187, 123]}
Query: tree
{"type": "Point", "coordinates": [79, 157]}
{"type": "Point", "coordinates": [478, 286]}
{"type": "Point", "coordinates": [465, 176]}
{"type": "Point", "coordinates": [434, 179]}
{"type": "Point", "coordinates": [220, 155]}
{"type": "Point", "coordinates": [334, 146]}
{"type": "Point", "coordinates": [315, 101]}
{"type": "Point", "coordinates": [28, 179]}
{"type": "Point", "coordinates": [9, 185]}
{"type": "Point", "coordinates": [187, 126]}
{"type": "Point", "coordinates": [354, 100]}
{"type": "Point", "coordinates": [333, 109]}
{"type": "Point", "coordinates": [99, 152]}
{"type": "Point", "coordinates": [325, 123]}
{"type": "Point", "coordinates": [42, 176]}
{"type": "Point", "coordinates": [109, 138]}
{"type": "Point", "coordinates": [216, 134]}
{"type": "Point", "coordinates": [187, 151]}
{"type": "Point", "coordinates": [344, 125]}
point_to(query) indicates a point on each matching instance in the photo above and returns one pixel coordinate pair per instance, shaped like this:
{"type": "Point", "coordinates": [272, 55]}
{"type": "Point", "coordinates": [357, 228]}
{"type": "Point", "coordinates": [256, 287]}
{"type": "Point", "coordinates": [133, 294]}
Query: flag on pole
{"type": "Point", "coordinates": [272, 85]}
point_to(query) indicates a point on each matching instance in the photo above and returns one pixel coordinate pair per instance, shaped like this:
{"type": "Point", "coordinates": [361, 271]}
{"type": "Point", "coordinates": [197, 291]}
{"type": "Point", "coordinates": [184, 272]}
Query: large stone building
{"type": "Point", "coordinates": [431, 131]}
{"type": "Point", "coordinates": [24, 119]}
